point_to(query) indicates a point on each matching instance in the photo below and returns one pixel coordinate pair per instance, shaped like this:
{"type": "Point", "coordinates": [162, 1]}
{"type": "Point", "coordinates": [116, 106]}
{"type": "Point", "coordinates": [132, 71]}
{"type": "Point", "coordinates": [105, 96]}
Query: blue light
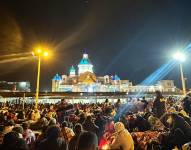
{"type": "Point", "coordinates": [157, 75]}
{"type": "Point", "coordinates": [116, 78]}
{"type": "Point", "coordinates": [57, 78]}
{"type": "Point", "coordinates": [84, 62]}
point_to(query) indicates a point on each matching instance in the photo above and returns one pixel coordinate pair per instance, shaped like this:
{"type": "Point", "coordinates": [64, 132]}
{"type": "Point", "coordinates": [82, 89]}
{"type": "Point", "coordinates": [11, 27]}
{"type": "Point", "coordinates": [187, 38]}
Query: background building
{"type": "Point", "coordinates": [15, 86]}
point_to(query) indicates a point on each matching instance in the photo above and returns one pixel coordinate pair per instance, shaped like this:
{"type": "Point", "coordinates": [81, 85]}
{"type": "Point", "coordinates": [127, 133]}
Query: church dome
{"type": "Point", "coordinates": [85, 65]}
{"type": "Point", "coordinates": [57, 77]}
{"type": "Point", "coordinates": [72, 69]}
{"type": "Point", "coordinates": [85, 60]}
{"type": "Point", "coordinates": [116, 78]}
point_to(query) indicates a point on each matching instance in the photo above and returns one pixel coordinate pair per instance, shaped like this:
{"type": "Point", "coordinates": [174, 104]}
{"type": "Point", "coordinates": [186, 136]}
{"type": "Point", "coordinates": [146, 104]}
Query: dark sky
{"type": "Point", "coordinates": [131, 38]}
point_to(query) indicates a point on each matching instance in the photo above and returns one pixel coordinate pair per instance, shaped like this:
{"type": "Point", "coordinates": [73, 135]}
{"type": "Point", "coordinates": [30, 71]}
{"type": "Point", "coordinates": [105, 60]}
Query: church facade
{"type": "Point", "coordinates": [85, 80]}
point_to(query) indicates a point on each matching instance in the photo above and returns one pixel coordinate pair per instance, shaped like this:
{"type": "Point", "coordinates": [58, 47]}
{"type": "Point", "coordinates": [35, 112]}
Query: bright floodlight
{"type": "Point", "coordinates": [45, 54]}
{"type": "Point", "coordinates": [179, 56]}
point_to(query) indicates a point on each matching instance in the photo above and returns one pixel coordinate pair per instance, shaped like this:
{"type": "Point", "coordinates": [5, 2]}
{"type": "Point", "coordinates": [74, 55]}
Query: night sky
{"type": "Point", "coordinates": [131, 38]}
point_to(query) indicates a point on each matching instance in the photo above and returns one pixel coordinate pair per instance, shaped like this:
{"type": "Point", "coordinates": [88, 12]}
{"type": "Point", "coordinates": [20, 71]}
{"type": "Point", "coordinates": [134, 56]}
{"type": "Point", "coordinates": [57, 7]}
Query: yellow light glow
{"type": "Point", "coordinates": [39, 50]}
{"type": "Point", "coordinates": [45, 54]}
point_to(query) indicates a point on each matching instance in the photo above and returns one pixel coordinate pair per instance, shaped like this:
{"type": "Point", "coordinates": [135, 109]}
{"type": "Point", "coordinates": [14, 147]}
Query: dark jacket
{"type": "Point", "coordinates": [53, 144]}
{"type": "Point", "coordinates": [90, 126]}
{"type": "Point", "coordinates": [73, 143]}
{"type": "Point", "coordinates": [180, 123]}
{"type": "Point", "coordinates": [159, 107]}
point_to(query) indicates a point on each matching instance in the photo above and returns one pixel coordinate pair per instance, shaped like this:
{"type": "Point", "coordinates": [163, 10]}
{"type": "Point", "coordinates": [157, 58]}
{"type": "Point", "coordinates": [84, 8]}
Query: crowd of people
{"type": "Point", "coordinates": [163, 123]}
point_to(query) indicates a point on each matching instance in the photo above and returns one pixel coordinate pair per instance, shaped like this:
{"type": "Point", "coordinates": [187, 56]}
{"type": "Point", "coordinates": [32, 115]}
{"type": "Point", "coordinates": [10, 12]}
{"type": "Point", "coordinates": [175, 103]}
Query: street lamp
{"type": "Point", "coordinates": [39, 53]}
{"type": "Point", "coordinates": [179, 56]}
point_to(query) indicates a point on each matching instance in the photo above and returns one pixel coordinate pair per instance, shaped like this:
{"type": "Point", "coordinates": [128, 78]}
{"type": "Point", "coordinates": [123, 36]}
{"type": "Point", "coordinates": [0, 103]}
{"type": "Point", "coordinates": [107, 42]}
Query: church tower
{"type": "Point", "coordinates": [72, 72]}
{"type": "Point", "coordinates": [85, 65]}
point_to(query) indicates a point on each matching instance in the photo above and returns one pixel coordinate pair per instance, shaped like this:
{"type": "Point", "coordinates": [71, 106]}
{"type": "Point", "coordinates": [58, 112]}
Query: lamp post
{"type": "Point", "coordinates": [181, 58]}
{"type": "Point", "coordinates": [39, 53]}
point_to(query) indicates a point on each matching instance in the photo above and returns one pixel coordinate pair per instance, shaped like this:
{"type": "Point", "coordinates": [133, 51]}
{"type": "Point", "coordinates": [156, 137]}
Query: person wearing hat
{"type": "Point", "coordinates": [123, 139]}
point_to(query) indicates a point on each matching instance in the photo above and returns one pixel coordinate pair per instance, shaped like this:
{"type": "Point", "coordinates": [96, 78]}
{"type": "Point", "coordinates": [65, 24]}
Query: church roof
{"type": "Point", "coordinates": [57, 77]}
{"type": "Point", "coordinates": [116, 78]}
{"type": "Point", "coordinates": [85, 60]}
{"type": "Point", "coordinates": [72, 69]}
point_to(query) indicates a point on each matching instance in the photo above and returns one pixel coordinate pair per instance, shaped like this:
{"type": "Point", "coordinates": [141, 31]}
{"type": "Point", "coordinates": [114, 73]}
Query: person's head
{"type": "Point", "coordinates": [82, 116]}
{"type": "Point", "coordinates": [152, 120]}
{"type": "Point", "coordinates": [52, 122]}
{"type": "Point", "coordinates": [89, 118]}
{"type": "Point", "coordinates": [64, 124]}
{"type": "Point", "coordinates": [53, 132]}
{"type": "Point", "coordinates": [119, 126]}
{"type": "Point", "coordinates": [10, 138]}
{"type": "Point", "coordinates": [25, 125]}
{"type": "Point", "coordinates": [78, 128]}
{"type": "Point", "coordinates": [9, 123]}
{"type": "Point", "coordinates": [18, 129]}
{"type": "Point", "coordinates": [87, 141]}
{"type": "Point", "coordinates": [158, 94]}
{"type": "Point", "coordinates": [11, 141]}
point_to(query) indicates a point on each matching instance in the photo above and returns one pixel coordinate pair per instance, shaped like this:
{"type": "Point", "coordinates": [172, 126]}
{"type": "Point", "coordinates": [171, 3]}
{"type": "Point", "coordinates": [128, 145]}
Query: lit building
{"type": "Point", "coordinates": [15, 86]}
{"type": "Point", "coordinates": [87, 81]}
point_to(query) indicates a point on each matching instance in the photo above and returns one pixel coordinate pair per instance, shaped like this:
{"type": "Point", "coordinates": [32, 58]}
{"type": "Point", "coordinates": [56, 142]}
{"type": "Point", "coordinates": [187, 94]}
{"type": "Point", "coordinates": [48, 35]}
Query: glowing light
{"type": "Point", "coordinates": [179, 56]}
{"type": "Point", "coordinates": [90, 89]}
{"type": "Point", "coordinates": [23, 84]}
{"type": "Point", "coordinates": [39, 50]}
{"type": "Point", "coordinates": [45, 54]}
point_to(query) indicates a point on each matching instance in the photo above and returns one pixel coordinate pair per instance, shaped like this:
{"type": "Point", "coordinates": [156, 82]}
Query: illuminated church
{"type": "Point", "coordinates": [84, 80]}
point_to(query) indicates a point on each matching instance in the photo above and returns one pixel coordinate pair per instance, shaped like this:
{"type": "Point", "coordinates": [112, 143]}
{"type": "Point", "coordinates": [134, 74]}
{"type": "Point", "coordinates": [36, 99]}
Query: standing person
{"type": "Point", "coordinates": [11, 141]}
{"type": "Point", "coordinates": [9, 125]}
{"type": "Point", "coordinates": [89, 125]}
{"type": "Point", "coordinates": [180, 130]}
{"type": "Point", "coordinates": [73, 142]}
{"type": "Point", "coordinates": [122, 138]}
{"type": "Point", "coordinates": [186, 103]}
{"type": "Point", "coordinates": [159, 105]}
{"type": "Point", "coordinates": [118, 104]}
{"type": "Point", "coordinates": [67, 132]}
{"type": "Point", "coordinates": [100, 122]}
{"type": "Point", "coordinates": [28, 134]}
{"type": "Point", "coordinates": [87, 141]}
{"type": "Point", "coordinates": [145, 103]}
{"type": "Point", "coordinates": [53, 141]}
{"type": "Point", "coordinates": [35, 116]}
